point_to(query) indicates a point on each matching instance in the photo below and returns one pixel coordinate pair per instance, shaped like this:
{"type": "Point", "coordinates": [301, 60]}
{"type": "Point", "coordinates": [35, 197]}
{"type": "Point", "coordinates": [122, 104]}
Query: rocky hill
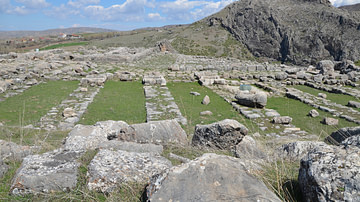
{"type": "Point", "coordinates": [296, 31]}
{"type": "Point", "coordinates": [355, 7]}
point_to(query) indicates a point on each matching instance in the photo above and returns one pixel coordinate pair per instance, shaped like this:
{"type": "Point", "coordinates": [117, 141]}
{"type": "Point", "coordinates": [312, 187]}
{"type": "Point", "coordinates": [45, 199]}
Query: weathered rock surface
{"type": "Point", "coordinates": [52, 171]}
{"type": "Point", "coordinates": [69, 112]}
{"type": "Point", "coordinates": [110, 169]}
{"type": "Point", "coordinates": [314, 113]}
{"type": "Point", "coordinates": [330, 121]}
{"type": "Point", "coordinates": [12, 151]}
{"type": "Point", "coordinates": [331, 173]}
{"type": "Point", "coordinates": [282, 120]}
{"type": "Point", "coordinates": [220, 135]}
{"type": "Point", "coordinates": [343, 133]}
{"type": "Point", "coordinates": [206, 113]}
{"type": "Point", "coordinates": [209, 178]}
{"type": "Point", "coordinates": [297, 150]}
{"type": "Point", "coordinates": [274, 31]}
{"type": "Point", "coordinates": [258, 99]}
{"type": "Point", "coordinates": [157, 132]}
{"type": "Point", "coordinates": [326, 67]}
{"type": "Point", "coordinates": [206, 100]}
{"type": "Point", "coordinates": [3, 168]}
{"type": "Point", "coordinates": [248, 149]}
{"type": "Point", "coordinates": [354, 104]}
{"type": "Point", "coordinates": [352, 141]}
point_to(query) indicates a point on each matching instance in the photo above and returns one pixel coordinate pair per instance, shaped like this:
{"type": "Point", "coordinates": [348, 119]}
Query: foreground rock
{"type": "Point", "coordinates": [354, 104]}
{"type": "Point", "coordinates": [330, 121]}
{"type": "Point", "coordinates": [340, 135]}
{"type": "Point", "coordinates": [314, 113]}
{"type": "Point", "coordinates": [331, 173]}
{"type": "Point", "coordinates": [258, 99]}
{"type": "Point", "coordinates": [48, 172]}
{"type": "Point", "coordinates": [209, 178]}
{"type": "Point", "coordinates": [12, 151]}
{"type": "Point", "coordinates": [111, 169]}
{"type": "Point", "coordinates": [220, 135]}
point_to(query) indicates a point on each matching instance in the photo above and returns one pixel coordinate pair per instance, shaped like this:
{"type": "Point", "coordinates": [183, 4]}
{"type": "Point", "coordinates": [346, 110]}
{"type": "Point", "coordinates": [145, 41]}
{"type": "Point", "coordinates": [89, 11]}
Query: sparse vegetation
{"type": "Point", "coordinates": [117, 101]}
{"type": "Point", "coordinates": [357, 63]}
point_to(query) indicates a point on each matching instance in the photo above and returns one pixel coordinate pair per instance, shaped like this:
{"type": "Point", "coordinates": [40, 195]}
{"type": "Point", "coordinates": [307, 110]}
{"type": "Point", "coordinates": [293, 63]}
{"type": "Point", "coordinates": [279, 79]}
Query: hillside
{"type": "Point", "coordinates": [355, 7]}
{"type": "Point", "coordinates": [18, 34]}
{"type": "Point", "coordinates": [295, 31]}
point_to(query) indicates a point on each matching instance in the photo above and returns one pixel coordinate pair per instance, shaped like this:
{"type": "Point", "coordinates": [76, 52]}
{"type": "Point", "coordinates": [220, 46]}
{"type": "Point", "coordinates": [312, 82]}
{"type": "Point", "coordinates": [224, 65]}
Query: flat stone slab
{"type": "Point", "coordinates": [48, 172]}
{"type": "Point", "coordinates": [110, 169]}
{"type": "Point", "coordinates": [211, 177]}
{"type": "Point", "coordinates": [12, 151]}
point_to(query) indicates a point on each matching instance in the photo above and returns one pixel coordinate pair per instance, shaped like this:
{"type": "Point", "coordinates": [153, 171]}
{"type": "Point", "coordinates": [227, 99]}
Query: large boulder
{"type": "Point", "coordinates": [104, 135]}
{"type": "Point", "coordinates": [296, 150]}
{"type": "Point", "coordinates": [354, 104]}
{"type": "Point", "coordinates": [326, 67]}
{"type": "Point", "coordinates": [48, 172]}
{"type": "Point", "coordinates": [331, 173]}
{"type": "Point", "coordinates": [330, 121]}
{"type": "Point", "coordinates": [248, 149]}
{"type": "Point", "coordinates": [258, 99]}
{"type": "Point", "coordinates": [111, 169]}
{"type": "Point", "coordinates": [209, 178]}
{"type": "Point", "coordinates": [156, 132]}
{"type": "Point", "coordinates": [282, 120]}
{"type": "Point", "coordinates": [352, 141]}
{"type": "Point", "coordinates": [343, 133]}
{"type": "Point", "coordinates": [220, 135]}
{"type": "Point", "coordinates": [94, 80]}
{"type": "Point", "coordinates": [12, 151]}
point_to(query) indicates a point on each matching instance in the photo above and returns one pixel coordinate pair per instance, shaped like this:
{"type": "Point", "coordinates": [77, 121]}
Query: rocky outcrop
{"type": "Point", "coordinates": [220, 135]}
{"type": "Point", "coordinates": [273, 29]}
{"type": "Point", "coordinates": [352, 141]}
{"type": "Point", "coordinates": [48, 172]}
{"type": "Point", "coordinates": [3, 168]}
{"type": "Point", "coordinates": [111, 169]}
{"type": "Point", "coordinates": [331, 173]}
{"type": "Point", "coordinates": [282, 120]}
{"type": "Point", "coordinates": [343, 133]}
{"type": "Point", "coordinates": [209, 178]}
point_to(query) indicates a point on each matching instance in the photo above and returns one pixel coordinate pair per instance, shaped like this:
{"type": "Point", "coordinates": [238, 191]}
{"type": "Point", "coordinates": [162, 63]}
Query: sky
{"type": "Point", "coordinates": [110, 14]}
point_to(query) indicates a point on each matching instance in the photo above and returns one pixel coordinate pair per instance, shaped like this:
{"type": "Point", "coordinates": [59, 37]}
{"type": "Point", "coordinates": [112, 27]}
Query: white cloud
{"type": "Point", "coordinates": [34, 4]}
{"type": "Point", "coordinates": [75, 25]}
{"type": "Point", "coordinates": [130, 10]}
{"type": "Point", "coordinates": [81, 3]}
{"type": "Point", "coordinates": [338, 3]}
{"type": "Point", "coordinates": [4, 5]}
{"type": "Point", "coordinates": [191, 10]}
{"type": "Point", "coordinates": [155, 16]}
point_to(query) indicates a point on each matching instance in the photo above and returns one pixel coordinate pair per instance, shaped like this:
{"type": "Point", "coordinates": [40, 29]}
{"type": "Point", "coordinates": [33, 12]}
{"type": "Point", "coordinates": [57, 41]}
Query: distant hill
{"type": "Point", "coordinates": [19, 34]}
{"type": "Point", "coordinates": [355, 7]}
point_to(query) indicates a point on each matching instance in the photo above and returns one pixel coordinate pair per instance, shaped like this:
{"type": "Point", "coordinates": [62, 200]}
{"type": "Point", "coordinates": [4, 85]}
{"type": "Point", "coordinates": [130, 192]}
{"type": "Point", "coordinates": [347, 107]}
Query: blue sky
{"type": "Point", "coordinates": [111, 14]}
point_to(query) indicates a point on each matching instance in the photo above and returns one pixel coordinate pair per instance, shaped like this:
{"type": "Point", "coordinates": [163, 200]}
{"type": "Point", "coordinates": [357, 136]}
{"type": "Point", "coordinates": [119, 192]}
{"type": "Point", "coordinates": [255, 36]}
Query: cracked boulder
{"type": "Point", "coordinates": [211, 177]}
{"type": "Point", "coordinates": [297, 150]}
{"type": "Point", "coordinates": [258, 99]}
{"type": "Point", "coordinates": [52, 171]}
{"type": "Point", "coordinates": [343, 133]}
{"type": "Point", "coordinates": [331, 173]}
{"type": "Point", "coordinates": [219, 135]}
{"type": "Point", "coordinates": [111, 169]}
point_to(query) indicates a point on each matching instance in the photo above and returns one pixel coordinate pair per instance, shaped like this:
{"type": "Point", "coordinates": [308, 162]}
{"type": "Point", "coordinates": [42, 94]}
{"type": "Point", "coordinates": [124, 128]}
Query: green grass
{"type": "Point", "coordinates": [357, 63]}
{"type": "Point", "coordinates": [337, 98]}
{"type": "Point", "coordinates": [299, 111]}
{"type": "Point", "coordinates": [32, 104]}
{"type": "Point", "coordinates": [64, 45]}
{"type": "Point", "coordinates": [190, 106]}
{"type": "Point", "coordinates": [117, 101]}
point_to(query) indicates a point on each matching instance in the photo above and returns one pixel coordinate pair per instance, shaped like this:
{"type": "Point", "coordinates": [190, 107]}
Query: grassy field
{"type": "Point", "coordinates": [337, 98]}
{"type": "Point", "coordinates": [190, 106]}
{"type": "Point", "coordinates": [32, 104]}
{"type": "Point", "coordinates": [64, 45]}
{"type": "Point", "coordinates": [299, 111]}
{"type": "Point", "coordinates": [117, 101]}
